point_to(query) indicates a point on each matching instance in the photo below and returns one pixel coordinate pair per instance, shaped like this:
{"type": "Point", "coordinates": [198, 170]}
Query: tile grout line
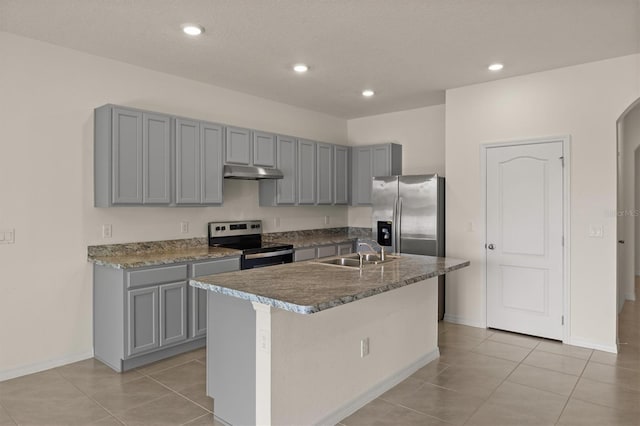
{"type": "Point", "coordinates": [501, 383]}
{"type": "Point", "coordinates": [8, 414]}
{"type": "Point", "coordinates": [181, 395]}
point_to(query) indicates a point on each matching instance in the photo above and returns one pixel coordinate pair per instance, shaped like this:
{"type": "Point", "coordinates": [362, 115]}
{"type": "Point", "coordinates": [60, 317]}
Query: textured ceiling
{"type": "Point", "coordinates": [408, 51]}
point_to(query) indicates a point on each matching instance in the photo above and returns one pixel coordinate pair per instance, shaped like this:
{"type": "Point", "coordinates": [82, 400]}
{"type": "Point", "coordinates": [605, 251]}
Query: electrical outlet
{"type": "Point", "coordinates": [276, 222]}
{"type": "Point", "coordinates": [184, 227]}
{"type": "Point", "coordinates": [327, 220]}
{"type": "Point", "coordinates": [364, 347]}
{"type": "Point", "coordinates": [7, 236]}
{"type": "Point", "coordinates": [107, 231]}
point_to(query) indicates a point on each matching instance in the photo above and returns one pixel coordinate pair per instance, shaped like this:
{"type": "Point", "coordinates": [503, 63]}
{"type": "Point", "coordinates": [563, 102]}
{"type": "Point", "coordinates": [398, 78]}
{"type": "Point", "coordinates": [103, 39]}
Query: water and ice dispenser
{"type": "Point", "coordinates": [385, 236]}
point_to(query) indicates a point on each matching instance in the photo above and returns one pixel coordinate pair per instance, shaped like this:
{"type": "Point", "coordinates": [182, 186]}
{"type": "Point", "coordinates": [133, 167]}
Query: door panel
{"type": "Point", "coordinates": [187, 162]}
{"type": "Point", "coordinates": [524, 237]}
{"type": "Point", "coordinates": [173, 313]}
{"type": "Point", "coordinates": [286, 154]}
{"type": "Point", "coordinates": [156, 159]}
{"type": "Point", "coordinates": [127, 157]}
{"type": "Point", "coordinates": [211, 163]}
{"type": "Point", "coordinates": [142, 320]}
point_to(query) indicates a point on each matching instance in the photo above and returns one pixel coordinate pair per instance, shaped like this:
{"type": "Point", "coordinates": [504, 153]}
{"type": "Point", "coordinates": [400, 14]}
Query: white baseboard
{"type": "Point", "coordinates": [630, 296]}
{"type": "Point", "coordinates": [464, 321]}
{"type": "Point", "coordinates": [45, 365]}
{"type": "Point", "coordinates": [584, 343]}
{"type": "Point", "coordinates": [383, 386]}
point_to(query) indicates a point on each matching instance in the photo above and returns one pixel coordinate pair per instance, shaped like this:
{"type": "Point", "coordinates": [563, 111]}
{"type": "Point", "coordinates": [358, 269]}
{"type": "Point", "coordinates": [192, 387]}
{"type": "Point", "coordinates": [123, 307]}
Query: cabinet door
{"type": "Point", "coordinates": [341, 175]}
{"type": "Point", "coordinates": [211, 163]}
{"type": "Point", "coordinates": [306, 172]}
{"type": "Point", "coordinates": [173, 313]}
{"type": "Point", "coordinates": [187, 162]}
{"type": "Point", "coordinates": [126, 146]}
{"type": "Point", "coordinates": [264, 149]}
{"type": "Point", "coordinates": [326, 251]}
{"type": "Point", "coordinates": [238, 146]}
{"type": "Point", "coordinates": [156, 155]}
{"type": "Point", "coordinates": [142, 320]}
{"type": "Point", "coordinates": [325, 173]}
{"type": "Point", "coordinates": [198, 312]}
{"type": "Point", "coordinates": [362, 165]}
{"type": "Point", "coordinates": [381, 160]}
{"type": "Point", "coordinates": [345, 249]}
{"type": "Point", "coordinates": [286, 155]}
{"type": "Point", "coordinates": [304, 254]}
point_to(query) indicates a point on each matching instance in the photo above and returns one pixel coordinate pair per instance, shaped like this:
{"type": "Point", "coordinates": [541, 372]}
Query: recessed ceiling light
{"type": "Point", "coordinates": [192, 29]}
{"type": "Point", "coordinates": [495, 67]}
{"type": "Point", "coordinates": [301, 68]}
{"type": "Point", "coordinates": [368, 93]}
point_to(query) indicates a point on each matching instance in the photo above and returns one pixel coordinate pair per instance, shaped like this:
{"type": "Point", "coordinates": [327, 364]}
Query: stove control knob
{"type": "Point", "coordinates": [224, 228]}
{"type": "Point", "coordinates": [217, 228]}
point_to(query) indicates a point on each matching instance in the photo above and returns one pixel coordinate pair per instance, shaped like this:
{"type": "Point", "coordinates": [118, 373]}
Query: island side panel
{"type": "Point", "coordinates": [231, 358]}
{"type": "Point", "coordinates": [317, 373]}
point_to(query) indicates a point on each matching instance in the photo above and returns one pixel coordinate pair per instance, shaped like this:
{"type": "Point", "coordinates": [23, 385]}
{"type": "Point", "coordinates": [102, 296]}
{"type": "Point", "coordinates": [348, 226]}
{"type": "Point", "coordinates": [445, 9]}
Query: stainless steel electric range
{"type": "Point", "coordinates": [247, 236]}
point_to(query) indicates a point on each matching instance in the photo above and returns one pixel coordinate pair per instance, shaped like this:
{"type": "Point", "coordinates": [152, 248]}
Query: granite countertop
{"type": "Point", "coordinates": [135, 259]}
{"type": "Point", "coordinates": [309, 287]}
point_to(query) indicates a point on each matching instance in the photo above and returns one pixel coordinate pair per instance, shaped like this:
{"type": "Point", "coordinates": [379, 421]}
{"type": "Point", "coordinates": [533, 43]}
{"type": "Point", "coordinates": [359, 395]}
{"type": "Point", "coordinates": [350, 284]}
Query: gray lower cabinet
{"type": "Point", "coordinates": [132, 157]}
{"type": "Point", "coordinates": [142, 320]}
{"type": "Point", "coordinates": [370, 161]}
{"type": "Point", "coordinates": [324, 168]}
{"type": "Point", "coordinates": [198, 158]}
{"type": "Point", "coordinates": [306, 172]}
{"type": "Point", "coordinates": [143, 315]}
{"type": "Point", "coordinates": [341, 176]}
{"type": "Point", "coordinates": [326, 250]}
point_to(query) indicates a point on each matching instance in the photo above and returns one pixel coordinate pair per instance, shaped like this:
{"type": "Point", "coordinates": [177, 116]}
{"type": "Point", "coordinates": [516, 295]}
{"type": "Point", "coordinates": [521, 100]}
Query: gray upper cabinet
{"type": "Point", "coordinates": [211, 136]}
{"type": "Point", "coordinates": [198, 162]}
{"type": "Point", "coordinates": [370, 161]}
{"type": "Point", "coordinates": [325, 174]}
{"type": "Point", "coordinates": [187, 161]}
{"type": "Point", "coordinates": [156, 159]}
{"type": "Point", "coordinates": [282, 192]}
{"type": "Point", "coordinates": [341, 175]}
{"type": "Point", "coordinates": [264, 149]}
{"type": "Point", "coordinates": [238, 146]}
{"type": "Point", "coordinates": [306, 172]}
{"type": "Point", "coordinates": [132, 157]}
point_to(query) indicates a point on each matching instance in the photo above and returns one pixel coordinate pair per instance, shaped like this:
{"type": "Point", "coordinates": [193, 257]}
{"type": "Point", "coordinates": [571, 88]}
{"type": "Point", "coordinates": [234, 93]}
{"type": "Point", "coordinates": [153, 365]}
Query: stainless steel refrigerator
{"type": "Point", "coordinates": [408, 217]}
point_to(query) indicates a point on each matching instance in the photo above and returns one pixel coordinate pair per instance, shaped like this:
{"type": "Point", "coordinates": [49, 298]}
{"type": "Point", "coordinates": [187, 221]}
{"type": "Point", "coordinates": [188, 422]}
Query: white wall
{"type": "Point", "coordinates": [420, 131]}
{"type": "Point", "coordinates": [582, 101]}
{"type": "Point", "coordinates": [46, 180]}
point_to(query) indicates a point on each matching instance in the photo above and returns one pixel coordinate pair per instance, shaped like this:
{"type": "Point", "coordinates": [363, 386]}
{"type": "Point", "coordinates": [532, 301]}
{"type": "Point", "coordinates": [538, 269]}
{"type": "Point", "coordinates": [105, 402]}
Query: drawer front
{"type": "Point", "coordinates": [164, 274]}
{"type": "Point", "coordinates": [326, 251]}
{"type": "Point", "coordinates": [215, 267]}
{"type": "Point", "coordinates": [304, 254]}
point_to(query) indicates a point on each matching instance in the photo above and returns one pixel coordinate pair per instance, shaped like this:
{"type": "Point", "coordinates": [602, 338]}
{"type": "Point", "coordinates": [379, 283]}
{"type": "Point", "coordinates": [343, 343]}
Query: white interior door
{"type": "Point", "coordinates": [525, 239]}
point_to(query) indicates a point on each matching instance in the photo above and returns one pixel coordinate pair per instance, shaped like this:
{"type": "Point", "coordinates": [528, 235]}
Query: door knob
{"type": "Point", "coordinates": [621, 241]}
{"type": "Point", "coordinates": [491, 246]}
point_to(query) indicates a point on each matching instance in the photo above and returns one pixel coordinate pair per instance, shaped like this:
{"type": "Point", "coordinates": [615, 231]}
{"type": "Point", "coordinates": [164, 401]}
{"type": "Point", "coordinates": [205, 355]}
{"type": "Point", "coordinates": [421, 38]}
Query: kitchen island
{"type": "Point", "coordinates": [310, 343]}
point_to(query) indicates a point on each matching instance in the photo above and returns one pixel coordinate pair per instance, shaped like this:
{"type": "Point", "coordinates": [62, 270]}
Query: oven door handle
{"type": "Point", "coordinates": [268, 254]}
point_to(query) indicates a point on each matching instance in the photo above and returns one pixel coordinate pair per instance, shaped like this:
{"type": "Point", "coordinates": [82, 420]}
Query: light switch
{"type": "Point", "coordinates": [184, 227]}
{"type": "Point", "coordinates": [596, 231]}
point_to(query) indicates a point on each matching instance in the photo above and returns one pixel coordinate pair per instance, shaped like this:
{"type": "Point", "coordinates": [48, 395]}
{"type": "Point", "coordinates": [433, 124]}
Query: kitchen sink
{"type": "Point", "coordinates": [353, 260]}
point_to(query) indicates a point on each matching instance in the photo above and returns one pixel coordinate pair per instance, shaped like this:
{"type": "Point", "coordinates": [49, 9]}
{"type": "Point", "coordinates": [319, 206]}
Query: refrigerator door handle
{"type": "Point", "coordinates": [394, 218]}
{"type": "Point", "coordinates": [399, 223]}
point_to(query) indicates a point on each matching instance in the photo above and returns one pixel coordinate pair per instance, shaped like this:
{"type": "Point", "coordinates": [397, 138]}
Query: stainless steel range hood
{"type": "Point", "coordinates": [251, 172]}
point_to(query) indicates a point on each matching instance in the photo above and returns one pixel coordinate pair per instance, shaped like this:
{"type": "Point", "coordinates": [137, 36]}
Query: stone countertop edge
{"type": "Point", "coordinates": [437, 270]}
{"type": "Point", "coordinates": [130, 261]}
{"type": "Point", "coordinates": [311, 241]}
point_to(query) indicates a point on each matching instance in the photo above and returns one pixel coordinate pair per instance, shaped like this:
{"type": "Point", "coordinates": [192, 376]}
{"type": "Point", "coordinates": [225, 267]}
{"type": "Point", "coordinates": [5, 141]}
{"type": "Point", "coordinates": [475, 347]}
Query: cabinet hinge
{"type": "Point", "coordinates": [562, 160]}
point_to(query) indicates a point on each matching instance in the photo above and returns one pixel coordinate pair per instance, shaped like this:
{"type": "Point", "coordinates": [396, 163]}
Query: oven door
{"type": "Point", "coordinates": [260, 260]}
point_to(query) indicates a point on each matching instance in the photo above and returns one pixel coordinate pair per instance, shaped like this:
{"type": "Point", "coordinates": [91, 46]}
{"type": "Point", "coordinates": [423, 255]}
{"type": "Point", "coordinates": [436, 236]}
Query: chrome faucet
{"type": "Point", "coordinates": [367, 244]}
